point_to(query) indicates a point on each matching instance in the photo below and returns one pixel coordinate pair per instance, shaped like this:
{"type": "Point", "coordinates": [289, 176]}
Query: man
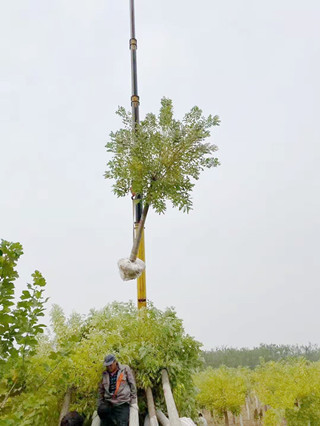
{"type": "Point", "coordinates": [117, 392]}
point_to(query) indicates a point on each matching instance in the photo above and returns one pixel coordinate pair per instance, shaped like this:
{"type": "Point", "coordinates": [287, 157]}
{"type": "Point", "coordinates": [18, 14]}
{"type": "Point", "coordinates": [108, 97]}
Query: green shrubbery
{"type": "Point", "coordinates": [37, 373]}
{"type": "Point", "coordinates": [148, 341]}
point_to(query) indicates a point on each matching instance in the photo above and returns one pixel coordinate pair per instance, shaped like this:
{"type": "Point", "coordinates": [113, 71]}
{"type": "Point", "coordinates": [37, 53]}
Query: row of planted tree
{"type": "Point", "coordinates": [274, 393]}
{"type": "Point", "coordinates": [38, 367]}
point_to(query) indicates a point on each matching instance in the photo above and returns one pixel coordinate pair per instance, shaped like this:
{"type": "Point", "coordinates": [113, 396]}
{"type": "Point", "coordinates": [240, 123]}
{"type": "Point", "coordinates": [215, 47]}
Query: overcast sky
{"type": "Point", "coordinates": [243, 266]}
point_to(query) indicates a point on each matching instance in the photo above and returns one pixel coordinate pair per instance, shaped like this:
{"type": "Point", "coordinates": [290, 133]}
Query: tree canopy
{"type": "Point", "coordinates": [162, 157]}
{"type": "Point", "coordinates": [19, 321]}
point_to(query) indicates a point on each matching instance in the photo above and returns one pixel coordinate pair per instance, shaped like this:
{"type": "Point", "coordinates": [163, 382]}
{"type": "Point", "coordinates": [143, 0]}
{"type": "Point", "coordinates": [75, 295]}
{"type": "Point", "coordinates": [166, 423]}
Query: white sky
{"type": "Point", "coordinates": [243, 266]}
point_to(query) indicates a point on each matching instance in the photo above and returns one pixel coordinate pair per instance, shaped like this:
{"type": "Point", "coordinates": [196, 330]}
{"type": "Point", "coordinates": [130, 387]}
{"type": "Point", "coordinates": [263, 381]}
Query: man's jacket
{"type": "Point", "coordinates": [125, 388]}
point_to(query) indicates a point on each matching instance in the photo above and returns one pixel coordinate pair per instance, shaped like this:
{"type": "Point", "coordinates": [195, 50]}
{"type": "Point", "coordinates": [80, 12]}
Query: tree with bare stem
{"type": "Point", "coordinates": [160, 159]}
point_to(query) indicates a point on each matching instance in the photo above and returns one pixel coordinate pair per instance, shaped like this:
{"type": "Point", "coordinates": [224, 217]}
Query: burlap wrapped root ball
{"type": "Point", "coordinates": [130, 270]}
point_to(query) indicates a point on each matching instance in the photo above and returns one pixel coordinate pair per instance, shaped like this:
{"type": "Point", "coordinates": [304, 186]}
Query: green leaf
{"type": "Point", "coordinates": [25, 295]}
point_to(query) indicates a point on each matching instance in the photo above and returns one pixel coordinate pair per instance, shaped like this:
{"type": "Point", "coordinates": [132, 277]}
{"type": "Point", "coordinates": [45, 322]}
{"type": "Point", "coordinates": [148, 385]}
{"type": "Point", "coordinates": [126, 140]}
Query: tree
{"type": "Point", "coordinates": [160, 159]}
{"type": "Point", "coordinates": [222, 390]}
{"type": "Point", "coordinates": [19, 321]}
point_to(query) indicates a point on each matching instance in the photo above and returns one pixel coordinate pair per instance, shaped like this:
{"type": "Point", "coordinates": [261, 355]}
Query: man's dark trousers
{"type": "Point", "coordinates": [114, 415]}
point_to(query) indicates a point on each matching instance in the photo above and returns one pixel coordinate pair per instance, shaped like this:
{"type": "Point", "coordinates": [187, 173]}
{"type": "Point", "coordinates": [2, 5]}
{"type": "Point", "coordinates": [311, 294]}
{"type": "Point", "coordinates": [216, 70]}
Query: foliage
{"type": "Point", "coordinates": [19, 321]}
{"type": "Point", "coordinates": [245, 357]}
{"type": "Point", "coordinates": [222, 390]}
{"type": "Point", "coordinates": [47, 374]}
{"type": "Point", "coordinates": [147, 340]}
{"type": "Point", "coordinates": [162, 157]}
{"type": "Point", "coordinates": [292, 389]}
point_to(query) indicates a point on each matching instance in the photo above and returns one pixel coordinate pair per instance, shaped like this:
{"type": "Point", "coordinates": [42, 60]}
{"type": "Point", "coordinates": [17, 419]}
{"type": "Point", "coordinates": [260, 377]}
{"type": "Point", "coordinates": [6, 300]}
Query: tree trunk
{"type": "Point", "coordinates": [7, 396]}
{"type": "Point", "coordinates": [240, 419]}
{"type": "Point", "coordinates": [96, 419]}
{"type": "Point", "coordinates": [66, 404]}
{"type": "Point", "coordinates": [151, 408]}
{"type": "Point", "coordinates": [146, 421]}
{"type": "Point", "coordinates": [248, 408]}
{"type": "Point", "coordinates": [257, 402]}
{"type": "Point", "coordinates": [171, 406]}
{"type": "Point", "coordinates": [163, 420]}
{"type": "Point", "coordinates": [136, 242]}
{"type": "Point", "coordinates": [133, 417]}
{"type": "Point", "coordinates": [226, 419]}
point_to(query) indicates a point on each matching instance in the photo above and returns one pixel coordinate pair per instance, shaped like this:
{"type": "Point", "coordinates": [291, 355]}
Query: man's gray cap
{"type": "Point", "coordinates": [109, 359]}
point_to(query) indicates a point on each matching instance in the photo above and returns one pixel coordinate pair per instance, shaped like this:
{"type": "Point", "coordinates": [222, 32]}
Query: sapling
{"type": "Point", "coordinates": [159, 159]}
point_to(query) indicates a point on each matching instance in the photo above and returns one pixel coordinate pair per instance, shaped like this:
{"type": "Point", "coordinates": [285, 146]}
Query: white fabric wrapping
{"type": "Point", "coordinates": [134, 415]}
{"type": "Point", "coordinates": [130, 270]}
{"type": "Point", "coordinates": [146, 420]}
{"type": "Point", "coordinates": [134, 406]}
{"type": "Point", "coordinates": [186, 421]}
{"type": "Point", "coordinates": [162, 419]}
{"type": "Point", "coordinates": [95, 419]}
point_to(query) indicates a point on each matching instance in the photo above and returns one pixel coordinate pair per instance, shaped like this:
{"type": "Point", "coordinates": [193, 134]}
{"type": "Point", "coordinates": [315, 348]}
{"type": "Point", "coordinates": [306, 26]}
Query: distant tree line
{"type": "Point", "coordinates": [245, 357]}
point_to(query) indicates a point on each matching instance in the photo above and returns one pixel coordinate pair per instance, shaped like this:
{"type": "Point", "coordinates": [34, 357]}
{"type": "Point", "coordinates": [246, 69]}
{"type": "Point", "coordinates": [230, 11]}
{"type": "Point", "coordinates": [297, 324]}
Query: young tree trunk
{"type": "Point", "coordinates": [66, 404]}
{"type": "Point", "coordinates": [226, 419]}
{"type": "Point", "coordinates": [257, 402]}
{"type": "Point", "coordinates": [163, 420]}
{"type": "Point", "coordinates": [151, 408]}
{"type": "Point", "coordinates": [146, 421]}
{"type": "Point", "coordinates": [7, 396]}
{"type": "Point", "coordinates": [240, 419]}
{"type": "Point", "coordinates": [96, 420]}
{"type": "Point", "coordinates": [248, 408]}
{"type": "Point", "coordinates": [133, 417]}
{"type": "Point", "coordinates": [171, 406]}
{"type": "Point", "coordinates": [136, 242]}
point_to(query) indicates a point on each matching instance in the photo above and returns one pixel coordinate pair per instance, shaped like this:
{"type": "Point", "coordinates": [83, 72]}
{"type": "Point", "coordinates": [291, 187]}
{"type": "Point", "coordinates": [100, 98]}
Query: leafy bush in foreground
{"type": "Point", "coordinates": [148, 340]}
